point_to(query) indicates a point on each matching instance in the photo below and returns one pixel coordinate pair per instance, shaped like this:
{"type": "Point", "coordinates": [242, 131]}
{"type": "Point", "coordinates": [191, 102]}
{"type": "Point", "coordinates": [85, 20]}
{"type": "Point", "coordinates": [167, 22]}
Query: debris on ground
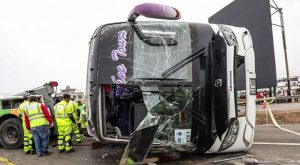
{"type": "Point", "coordinates": [233, 158]}
{"type": "Point", "coordinates": [104, 156]}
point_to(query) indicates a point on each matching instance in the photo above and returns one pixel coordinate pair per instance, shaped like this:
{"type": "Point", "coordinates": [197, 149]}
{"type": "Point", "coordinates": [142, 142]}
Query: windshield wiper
{"type": "Point", "coordinates": [183, 63]}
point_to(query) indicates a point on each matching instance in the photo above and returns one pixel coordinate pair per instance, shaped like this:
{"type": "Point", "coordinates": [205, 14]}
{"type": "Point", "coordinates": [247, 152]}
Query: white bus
{"type": "Point", "coordinates": [170, 85]}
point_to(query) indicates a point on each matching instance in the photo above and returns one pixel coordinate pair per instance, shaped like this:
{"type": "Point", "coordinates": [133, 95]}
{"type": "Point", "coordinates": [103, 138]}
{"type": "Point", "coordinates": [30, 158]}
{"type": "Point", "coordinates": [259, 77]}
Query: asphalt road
{"type": "Point", "coordinates": [83, 155]}
{"type": "Point", "coordinates": [271, 144]}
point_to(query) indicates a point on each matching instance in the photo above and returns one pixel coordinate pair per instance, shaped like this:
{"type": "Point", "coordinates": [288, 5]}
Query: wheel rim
{"type": "Point", "coordinates": [11, 134]}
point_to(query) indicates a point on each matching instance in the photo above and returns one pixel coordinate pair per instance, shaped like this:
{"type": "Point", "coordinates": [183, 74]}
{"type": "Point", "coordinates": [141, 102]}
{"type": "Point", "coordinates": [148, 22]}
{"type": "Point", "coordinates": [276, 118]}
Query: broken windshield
{"type": "Point", "coordinates": [182, 63]}
{"type": "Point", "coordinates": [151, 60]}
{"type": "Point", "coordinates": [144, 50]}
{"type": "Point", "coordinates": [134, 58]}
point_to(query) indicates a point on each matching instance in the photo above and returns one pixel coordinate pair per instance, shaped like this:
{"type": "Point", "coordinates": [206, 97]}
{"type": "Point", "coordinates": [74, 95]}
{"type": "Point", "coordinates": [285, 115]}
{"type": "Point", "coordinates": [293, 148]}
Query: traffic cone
{"type": "Point", "coordinates": [265, 104]}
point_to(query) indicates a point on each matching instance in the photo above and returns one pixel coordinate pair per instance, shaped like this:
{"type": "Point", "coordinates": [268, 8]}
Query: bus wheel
{"type": "Point", "coordinates": [11, 134]}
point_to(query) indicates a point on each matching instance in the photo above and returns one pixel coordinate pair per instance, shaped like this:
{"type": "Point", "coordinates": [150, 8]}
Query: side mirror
{"type": "Point", "coordinates": [153, 10]}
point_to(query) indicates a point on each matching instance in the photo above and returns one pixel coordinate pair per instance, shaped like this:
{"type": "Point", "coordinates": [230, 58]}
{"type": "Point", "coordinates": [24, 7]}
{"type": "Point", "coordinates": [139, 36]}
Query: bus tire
{"type": "Point", "coordinates": [11, 133]}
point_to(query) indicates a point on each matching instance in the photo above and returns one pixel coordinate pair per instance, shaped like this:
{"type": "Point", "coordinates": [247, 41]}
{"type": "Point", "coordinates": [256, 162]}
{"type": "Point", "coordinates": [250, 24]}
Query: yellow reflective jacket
{"type": "Point", "coordinates": [75, 109]}
{"type": "Point", "coordinates": [35, 115]}
{"type": "Point", "coordinates": [62, 112]}
{"type": "Point", "coordinates": [21, 109]}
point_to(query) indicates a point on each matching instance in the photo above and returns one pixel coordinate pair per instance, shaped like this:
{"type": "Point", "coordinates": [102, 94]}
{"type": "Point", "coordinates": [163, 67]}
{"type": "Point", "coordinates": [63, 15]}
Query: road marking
{"type": "Point", "coordinates": [280, 144]}
{"type": "Point", "coordinates": [297, 125]}
{"type": "Point", "coordinates": [6, 161]}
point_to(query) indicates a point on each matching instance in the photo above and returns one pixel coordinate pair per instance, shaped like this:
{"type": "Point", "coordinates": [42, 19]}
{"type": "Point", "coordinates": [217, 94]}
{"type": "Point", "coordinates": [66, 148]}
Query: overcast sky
{"type": "Point", "coordinates": [42, 41]}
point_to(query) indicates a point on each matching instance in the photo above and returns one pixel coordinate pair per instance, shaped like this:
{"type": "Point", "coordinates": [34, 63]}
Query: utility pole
{"type": "Point", "coordinates": [279, 10]}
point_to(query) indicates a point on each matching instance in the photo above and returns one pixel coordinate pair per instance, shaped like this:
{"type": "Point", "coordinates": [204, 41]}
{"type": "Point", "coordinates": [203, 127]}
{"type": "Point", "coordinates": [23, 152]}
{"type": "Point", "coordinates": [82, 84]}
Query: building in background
{"type": "Point", "coordinates": [3, 95]}
{"type": "Point", "coordinates": [74, 93]}
{"type": "Point", "coordinates": [282, 86]}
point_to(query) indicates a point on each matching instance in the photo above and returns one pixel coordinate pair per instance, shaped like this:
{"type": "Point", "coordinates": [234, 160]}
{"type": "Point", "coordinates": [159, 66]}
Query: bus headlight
{"type": "Point", "coordinates": [229, 35]}
{"type": "Point", "coordinates": [231, 135]}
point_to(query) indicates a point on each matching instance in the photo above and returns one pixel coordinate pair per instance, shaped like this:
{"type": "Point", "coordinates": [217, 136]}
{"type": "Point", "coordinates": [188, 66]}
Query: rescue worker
{"type": "Point", "coordinates": [75, 125]}
{"type": "Point", "coordinates": [80, 106]}
{"type": "Point", "coordinates": [64, 115]}
{"type": "Point", "coordinates": [83, 120]}
{"type": "Point", "coordinates": [81, 109]}
{"type": "Point", "coordinates": [28, 143]}
{"type": "Point", "coordinates": [38, 119]}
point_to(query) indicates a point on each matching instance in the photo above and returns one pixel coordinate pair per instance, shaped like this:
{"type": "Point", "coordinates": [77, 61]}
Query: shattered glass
{"type": "Point", "coordinates": [154, 48]}
{"type": "Point", "coordinates": [151, 61]}
{"type": "Point", "coordinates": [162, 83]}
{"type": "Point", "coordinates": [171, 107]}
{"type": "Point", "coordinates": [166, 103]}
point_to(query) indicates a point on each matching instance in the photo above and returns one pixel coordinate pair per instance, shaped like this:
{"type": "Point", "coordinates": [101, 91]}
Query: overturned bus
{"type": "Point", "coordinates": [171, 85]}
